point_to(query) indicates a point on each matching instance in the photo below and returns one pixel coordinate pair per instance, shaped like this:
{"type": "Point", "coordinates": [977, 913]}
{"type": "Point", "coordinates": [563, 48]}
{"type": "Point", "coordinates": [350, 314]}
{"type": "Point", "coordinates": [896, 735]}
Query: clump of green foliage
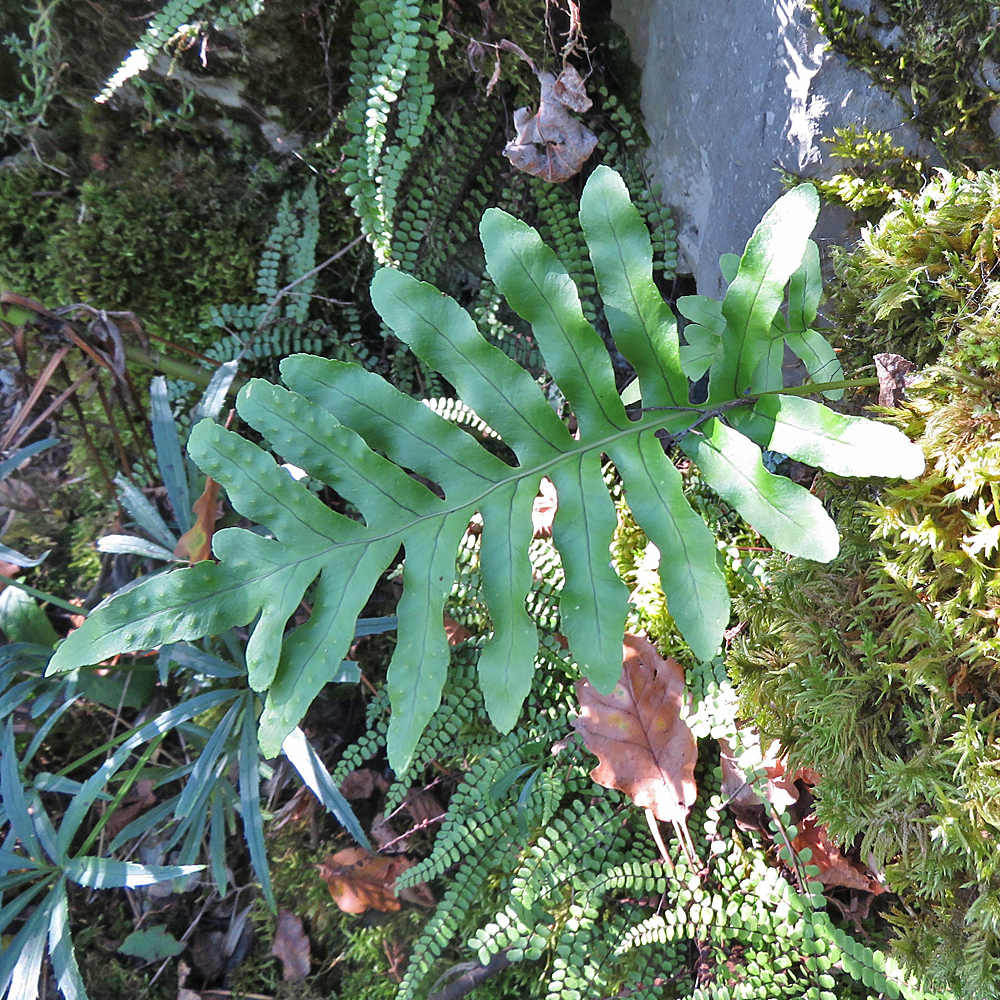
{"type": "Point", "coordinates": [933, 57]}
{"type": "Point", "coordinates": [537, 856]}
{"type": "Point", "coordinates": [874, 170]}
{"type": "Point", "coordinates": [924, 278]}
{"type": "Point", "coordinates": [883, 670]}
{"type": "Point", "coordinates": [193, 225]}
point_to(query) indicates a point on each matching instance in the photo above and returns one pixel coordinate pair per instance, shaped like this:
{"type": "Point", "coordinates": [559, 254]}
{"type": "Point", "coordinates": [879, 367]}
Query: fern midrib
{"type": "Point", "coordinates": [520, 474]}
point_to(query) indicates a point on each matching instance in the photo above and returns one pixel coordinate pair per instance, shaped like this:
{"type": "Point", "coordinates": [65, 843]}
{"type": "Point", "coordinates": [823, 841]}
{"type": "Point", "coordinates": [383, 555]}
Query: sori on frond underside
{"type": "Point", "coordinates": [352, 430]}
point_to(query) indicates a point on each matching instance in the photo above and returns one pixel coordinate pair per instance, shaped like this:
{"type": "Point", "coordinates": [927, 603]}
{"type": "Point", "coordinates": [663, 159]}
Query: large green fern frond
{"type": "Point", "coordinates": [352, 430]}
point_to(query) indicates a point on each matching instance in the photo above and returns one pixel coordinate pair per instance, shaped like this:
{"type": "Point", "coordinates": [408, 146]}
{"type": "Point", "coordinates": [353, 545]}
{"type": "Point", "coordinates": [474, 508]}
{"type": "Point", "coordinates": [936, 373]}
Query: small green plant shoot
{"type": "Point", "coordinates": [352, 430]}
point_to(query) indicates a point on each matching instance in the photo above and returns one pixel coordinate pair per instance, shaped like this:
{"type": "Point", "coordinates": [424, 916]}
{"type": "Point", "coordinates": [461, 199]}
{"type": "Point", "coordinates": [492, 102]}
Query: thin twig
{"type": "Point", "coordinates": [422, 825]}
{"type": "Point", "coordinates": [269, 312]}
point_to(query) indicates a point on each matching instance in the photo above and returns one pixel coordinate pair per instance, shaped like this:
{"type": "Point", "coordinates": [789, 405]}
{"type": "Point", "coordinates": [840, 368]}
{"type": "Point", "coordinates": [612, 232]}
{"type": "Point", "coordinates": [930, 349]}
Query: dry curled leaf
{"type": "Point", "coordinates": [423, 806]}
{"type": "Point", "coordinates": [385, 836]}
{"type": "Point", "coordinates": [834, 868]}
{"type": "Point", "coordinates": [359, 881]}
{"type": "Point", "coordinates": [359, 784]}
{"type": "Point", "coordinates": [291, 946]}
{"type": "Point", "coordinates": [645, 749]}
{"type": "Point", "coordinates": [196, 543]}
{"type": "Point", "coordinates": [892, 371]}
{"type": "Point", "coordinates": [551, 143]}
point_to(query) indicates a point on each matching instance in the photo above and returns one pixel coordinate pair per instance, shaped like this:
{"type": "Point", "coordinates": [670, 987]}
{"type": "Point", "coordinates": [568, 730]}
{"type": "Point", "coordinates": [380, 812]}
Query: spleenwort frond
{"type": "Point", "coordinates": [173, 25]}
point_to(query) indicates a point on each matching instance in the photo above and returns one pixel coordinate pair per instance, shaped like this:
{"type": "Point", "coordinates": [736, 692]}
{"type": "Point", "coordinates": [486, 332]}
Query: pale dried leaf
{"type": "Point", "coordinates": [740, 794]}
{"type": "Point", "coordinates": [183, 971]}
{"type": "Point", "coordinates": [543, 509]}
{"type": "Point", "coordinates": [550, 143]}
{"type": "Point", "coordinates": [570, 90]}
{"type": "Point", "coordinates": [495, 78]}
{"type": "Point", "coordinates": [645, 749]}
{"type": "Point", "coordinates": [291, 946]}
{"type": "Point", "coordinates": [386, 837]}
{"type": "Point", "coordinates": [892, 371]}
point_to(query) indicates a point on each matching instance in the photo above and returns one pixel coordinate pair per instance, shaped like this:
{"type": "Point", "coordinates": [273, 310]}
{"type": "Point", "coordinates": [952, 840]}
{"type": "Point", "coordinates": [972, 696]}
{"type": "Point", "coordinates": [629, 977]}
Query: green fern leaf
{"type": "Point", "coordinates": [352, 430]}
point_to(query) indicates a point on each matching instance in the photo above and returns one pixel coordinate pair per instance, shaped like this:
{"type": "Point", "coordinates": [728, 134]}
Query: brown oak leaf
{"type": "Point", "coordinates": [834, 868]}
{"type": "Point", "coordinates": [645, 749]}
{"type": "Point", "coordinates": [359, 881]}
{"type": "Point", "coordinates": [291, 946]}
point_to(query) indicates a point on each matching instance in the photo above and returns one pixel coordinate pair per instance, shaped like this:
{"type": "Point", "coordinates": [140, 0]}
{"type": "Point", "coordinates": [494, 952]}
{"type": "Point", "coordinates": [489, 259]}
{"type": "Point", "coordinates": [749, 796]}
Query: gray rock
{"type": "Point", "coordinates": [732, 94]}
{"type": "Point", "coordinates": [995, 121]}
{"type": "Point", "coordinates": [987, 75]}
{"type": "Point", "coordinates": [227, 92]}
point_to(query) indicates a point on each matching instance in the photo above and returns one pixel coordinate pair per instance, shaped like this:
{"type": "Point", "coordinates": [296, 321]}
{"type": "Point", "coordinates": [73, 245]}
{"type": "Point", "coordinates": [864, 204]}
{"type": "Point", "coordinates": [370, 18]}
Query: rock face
{"type": "Point", "coordinates": [732, 92]}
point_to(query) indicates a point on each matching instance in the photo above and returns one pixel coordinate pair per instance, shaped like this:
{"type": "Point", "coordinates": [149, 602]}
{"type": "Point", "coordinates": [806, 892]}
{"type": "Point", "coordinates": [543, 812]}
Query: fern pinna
{"type": "Point", "coordinates": [352, 430]}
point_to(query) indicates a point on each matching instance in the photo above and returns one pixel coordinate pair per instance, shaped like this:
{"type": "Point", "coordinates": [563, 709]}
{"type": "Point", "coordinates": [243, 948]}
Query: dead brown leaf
{"type": "Point", "coordinates": [419, 894]}
{"type": "Point", "coordinates": [550, 143]}
{"type": "Point", "coordinates": [359, 881]}
{"type": "Point", "coordinates": [196, 543]}
{"type": "Point", "coordinates": [456, 633]}
{"type": "Point", "coordinates": [834, 868]}
{"type": "Point", "coordinates": [740, 795]}
{"type": "Point", "coordinates": [892, 371]}
{"type": "Point", "coordinates": [386, 837]}
{"type": "Point", "coordinates": [291, 946]}
{"type": "Point", "coordinates": [423, 806]}
{"type": "Point", "coordinates": [138, 800]}
{"type": "Point", "coordinates": [358, 784]}
{"type": "Point", "coordinates": [570, 90]}
{"type": "Point", "coordinates": [645, 749]}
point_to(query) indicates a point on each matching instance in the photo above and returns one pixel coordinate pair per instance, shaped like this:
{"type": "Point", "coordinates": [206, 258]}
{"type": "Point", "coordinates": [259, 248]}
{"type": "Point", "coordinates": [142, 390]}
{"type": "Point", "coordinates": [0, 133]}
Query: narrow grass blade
{"type": "Point", "coordinates": [168, 453]}
{"type": "Point", "coordinates": [253, 823]}
{"type": "Point", "coordinates": [61, 952]}
{"type": "Point", "coordinates": [312, 771]}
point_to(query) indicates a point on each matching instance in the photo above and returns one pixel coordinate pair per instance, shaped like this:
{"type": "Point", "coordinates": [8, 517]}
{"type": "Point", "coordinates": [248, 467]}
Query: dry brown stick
{"type": "Point", "coordinates": [54, 405]}
{"type": "Point", "coordinates": [37, 389]}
